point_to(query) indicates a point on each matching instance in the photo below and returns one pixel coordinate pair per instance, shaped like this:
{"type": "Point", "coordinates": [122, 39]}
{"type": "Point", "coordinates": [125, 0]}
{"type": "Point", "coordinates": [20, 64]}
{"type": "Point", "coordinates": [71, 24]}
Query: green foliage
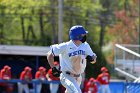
{"type": "Point", "coordinates": [94, 69]}
{"type": "Point", "coordinates": [12, 12]}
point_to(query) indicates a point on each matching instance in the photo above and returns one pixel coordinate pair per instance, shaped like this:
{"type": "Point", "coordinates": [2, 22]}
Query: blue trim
{"type": "Point", "coordinates": [53, 52]}
{"type": "Point", "coordinates": [32, 81]}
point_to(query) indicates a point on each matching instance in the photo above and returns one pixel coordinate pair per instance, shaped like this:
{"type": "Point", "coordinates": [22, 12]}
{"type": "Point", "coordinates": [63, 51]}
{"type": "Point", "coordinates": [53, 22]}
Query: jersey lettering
{"type": "Point", "coordinates": [105, 79]}
{"type": "Point", "coordinates": [79, 52]}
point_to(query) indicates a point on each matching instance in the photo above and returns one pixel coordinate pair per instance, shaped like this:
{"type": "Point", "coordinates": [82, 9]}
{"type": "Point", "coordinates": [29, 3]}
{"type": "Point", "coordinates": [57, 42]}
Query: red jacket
{"type": "Point", "coordinates": [91, 87]}
{"type": "Point", "coordinates": [24, 75]}
{"type": "Point", "coordinates": [38, 75]}
{"type": "Point", "coordinates": [5, 74]}
{"type": "Point", "coordinates": [103, 79]}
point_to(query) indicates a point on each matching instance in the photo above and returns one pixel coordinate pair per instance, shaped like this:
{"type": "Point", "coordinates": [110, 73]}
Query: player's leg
{"type": "Point", "coordinates": [79, 80]}
{"type": "Point", "coordinates": [102, 89]}
{"type": "Point", "coordinates": [107, 89]}
{"type": "Point", "coordinates": [54, 87]}
{"type": "Point", "coordinates": [20, 87]}
{"type": "Point", "coordinates": [26, 88]}
{"type": "Point", "coordinates": [38, 88]}
{"type": "Point", "coordinates": [70, 83]}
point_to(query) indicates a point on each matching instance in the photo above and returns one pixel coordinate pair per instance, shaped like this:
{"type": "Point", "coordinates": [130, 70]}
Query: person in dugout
{"type": "Point", "coordinates": [53, 86]}
{"type": "Point", "coordinates": [104, 79]}
{"type": "Point", "coordinates": [26, 76]}
{"type": "Point", "coordinates": [5, 74]}
{"type": "Point", "coordinates": [91, 86]}
{"type": "Point", "coordinates": [41, 76]}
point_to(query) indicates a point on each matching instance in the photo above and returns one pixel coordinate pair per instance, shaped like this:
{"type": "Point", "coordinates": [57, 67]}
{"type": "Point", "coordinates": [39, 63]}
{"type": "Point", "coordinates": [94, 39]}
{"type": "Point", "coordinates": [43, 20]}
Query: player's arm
{"type": "Point", "coordinates": [56, 50]}
{"type": "Point", "coordinates": [22, 75]}
{"type": "Point", "coordinates": [98, 79]}
{"type": "Point", "coordinates": [96, 89]}
{"type": "Point", "coordinates": [48, 74]}
{"type": "Point", "coordinates": [37, 74]}
{"type": "Point", "coordinates": [2, 74]}
{"type": "Point", "coordinates": [50, 58]}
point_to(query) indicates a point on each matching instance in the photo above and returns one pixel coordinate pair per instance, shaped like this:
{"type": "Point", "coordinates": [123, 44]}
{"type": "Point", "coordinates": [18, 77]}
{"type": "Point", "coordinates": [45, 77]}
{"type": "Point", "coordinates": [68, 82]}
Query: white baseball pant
{"type": "Point", "coordinates": [23, 87]}
{"type": "Point", "coordinates": [38, 87]}
{"type": "Point", "coordinates": [105, 89]}
{"type": "Point", "coordinates": [54, 87]}
{"type": "Point", "coordinates": [72, 84]}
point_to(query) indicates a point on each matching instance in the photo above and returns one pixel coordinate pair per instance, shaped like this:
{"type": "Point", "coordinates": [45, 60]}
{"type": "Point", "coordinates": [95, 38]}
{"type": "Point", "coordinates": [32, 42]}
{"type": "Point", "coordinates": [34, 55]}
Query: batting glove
{"type": "Point", "coordinates": [56, 72]}
{"type": "Point", "coordinates": [90, 58]}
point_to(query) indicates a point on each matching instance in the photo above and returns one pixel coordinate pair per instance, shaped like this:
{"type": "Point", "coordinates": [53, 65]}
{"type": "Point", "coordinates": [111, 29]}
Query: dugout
{"type": "Point", "coordinates": [17, 57]}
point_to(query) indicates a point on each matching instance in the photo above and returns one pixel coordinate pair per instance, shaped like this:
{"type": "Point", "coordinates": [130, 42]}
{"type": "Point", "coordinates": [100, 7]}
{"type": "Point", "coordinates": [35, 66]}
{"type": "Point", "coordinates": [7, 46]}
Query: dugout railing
{"type": "Point", "coordinates": [34, 82]}
{"type": "Point", "coordinates": [127, 59]}
{"type": "Point", "coordinates": [115, 86]}
{"type": "Point", "coordinates": [127, 64]}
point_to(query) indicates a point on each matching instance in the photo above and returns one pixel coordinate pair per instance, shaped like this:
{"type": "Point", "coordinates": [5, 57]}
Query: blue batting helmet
{"type": "Point", "coordinates": [76, 32]}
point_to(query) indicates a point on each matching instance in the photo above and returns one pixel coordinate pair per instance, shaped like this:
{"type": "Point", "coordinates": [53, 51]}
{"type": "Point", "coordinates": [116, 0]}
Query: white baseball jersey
{"type": "Point", "coordinates": [72, 57]}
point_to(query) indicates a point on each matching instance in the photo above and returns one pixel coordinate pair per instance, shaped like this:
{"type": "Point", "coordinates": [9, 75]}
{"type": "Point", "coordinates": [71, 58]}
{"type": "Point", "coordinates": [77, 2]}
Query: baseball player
{"type": "Point", "coordinates": [40, 75]}
{"type": "Point", "coordinates": [91, 86]}
{"type": "Point", "coordinates": [103, 80]}
{"type": "Point", "coordinates": [53, 86]}
{"type": "Point", "coordinates": [73, 56]}
{"type": "Point", "coordinates": [6, 75]}
{"type": "Point", "coordinates": [26, 76]}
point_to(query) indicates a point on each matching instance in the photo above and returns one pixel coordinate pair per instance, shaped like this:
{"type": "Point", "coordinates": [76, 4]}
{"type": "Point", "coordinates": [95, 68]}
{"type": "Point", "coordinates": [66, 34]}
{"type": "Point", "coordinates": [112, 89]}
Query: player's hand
{"type": "Point", "coordinates": [91, 59]}
{"type": "Point", "coordinates": [56, 72]}
{"type": "Point", "coordinates": [93, 62]}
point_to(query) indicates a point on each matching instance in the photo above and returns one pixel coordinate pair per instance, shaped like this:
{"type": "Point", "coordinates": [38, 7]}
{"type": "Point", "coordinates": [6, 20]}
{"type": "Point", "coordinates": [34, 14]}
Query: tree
{"type": "Point", "coordinates": [126, 28]}
{"type": "Point", "coordinates": [43, 26]}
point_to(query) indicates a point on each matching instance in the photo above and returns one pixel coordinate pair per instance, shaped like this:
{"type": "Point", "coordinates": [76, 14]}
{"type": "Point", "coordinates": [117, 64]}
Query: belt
{"type": "Point", "coordinates": [74, 75]}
